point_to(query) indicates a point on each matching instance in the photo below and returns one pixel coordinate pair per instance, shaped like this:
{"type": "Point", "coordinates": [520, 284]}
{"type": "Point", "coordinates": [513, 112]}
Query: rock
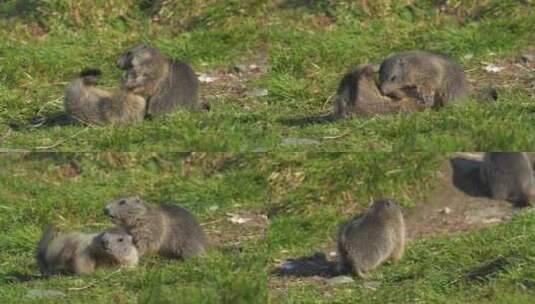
{"type": "Point", "coordinates": [445, 211]}
{"type": "Point", "coordinates": [44, 293]}
{"type": "Point", "coordinates": [492, 68]}
{"type": "Point", "coordinates": [206, 78]}
{"type": "Point", "coordinates": [340, 280]}
{"type": "Point", "coordinates": [258, 92]}
{"type": "Point", "coordinates": [239, 68]}
{"type": "Point", "coordinates": [527, 58]}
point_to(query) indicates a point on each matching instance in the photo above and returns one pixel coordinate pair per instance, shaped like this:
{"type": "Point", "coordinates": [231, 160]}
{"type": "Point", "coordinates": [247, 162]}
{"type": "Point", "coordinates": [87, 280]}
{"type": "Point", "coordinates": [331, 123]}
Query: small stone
{"type": "Point", "coordinates": [340, 280]}
{"type": "Point", "coordinates": [333, 254]}
{"type": "Point", "coordinates": [239, 68]}
{"type": "Point", "coordinates": [468, 56]}
{"type": "Point", "coordinates": [213, 208]}
{"type": "Point", "coordinates": [492, 68]}
{"type": "Point", "coordinates": [44, 293]}
{"type": "Point", "coordinates": [445, 211]}
{"type": "Point", "coordinates": [206, 78]}
{"type": "Point", "coordinates": [527, 58]}
{"type": "Point", "coordinates": [258, 92]}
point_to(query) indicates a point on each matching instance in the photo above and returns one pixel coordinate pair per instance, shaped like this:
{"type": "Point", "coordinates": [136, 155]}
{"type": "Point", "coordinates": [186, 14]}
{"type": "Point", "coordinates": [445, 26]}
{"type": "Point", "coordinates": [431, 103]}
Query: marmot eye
{"type": "Point", "coordinates": [120, 240]}
{"type": "Point", "coordinates": [122, 202]}
{"type": "Point", "coordinates": [393, 78]}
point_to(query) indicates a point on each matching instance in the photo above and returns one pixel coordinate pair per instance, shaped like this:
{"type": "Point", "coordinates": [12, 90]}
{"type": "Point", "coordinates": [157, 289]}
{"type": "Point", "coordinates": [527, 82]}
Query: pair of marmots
{"type": "Point", "coordinates": [167, 230]}
{"type": "Point", "coordinates": [407, 82]}
{"type": "Point", "coordinates": [378, 235]}
{"type": "Point", "coordinates": [152, 84]}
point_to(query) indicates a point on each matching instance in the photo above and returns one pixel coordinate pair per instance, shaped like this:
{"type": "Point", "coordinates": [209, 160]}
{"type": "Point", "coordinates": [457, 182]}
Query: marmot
{"type": "Point", "coordinates": [432, 79]}
{"type": "Point", "coordinates": [366, 242]}
{"type": "Point", "coordinates": [91, 105]}
{"type": "Point", "coordinates": [79, 253]}
{"type": "Point", "coordinates": [165, 83]}
{"type": "Point", "coordinates": [168, 230]}
{"type": "Point", "coordinates": [509, 176]}
{"type": "Point", "coordinates": [358, 94]}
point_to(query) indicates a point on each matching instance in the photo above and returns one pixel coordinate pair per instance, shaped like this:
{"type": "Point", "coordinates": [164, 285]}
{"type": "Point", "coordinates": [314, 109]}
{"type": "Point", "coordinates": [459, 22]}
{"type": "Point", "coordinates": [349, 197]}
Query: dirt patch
{"type": "Point", "coordinates": [234, 81]}
{"type": "Point", "coordinates": [231, 231]}
{"type": "Point", "coordinates": [457, 203]}
{"type": "Point", "coordinates": [505, 73]}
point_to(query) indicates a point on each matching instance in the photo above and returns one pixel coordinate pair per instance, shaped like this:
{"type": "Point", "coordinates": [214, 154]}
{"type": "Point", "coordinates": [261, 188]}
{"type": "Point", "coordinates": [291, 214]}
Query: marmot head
{"type": "Point", "coordinates": [118, 245]}
{"type": "Point", "coordinates": [385, 209]}
{"type": "Point", "coordinates": [139, 54]}
{"type": "Point", "coordinates": [126, 210]}
{"type": "Point", "coordinates": [393, 74]}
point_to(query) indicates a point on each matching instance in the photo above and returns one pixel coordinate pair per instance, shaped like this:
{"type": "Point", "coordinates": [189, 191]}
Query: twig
{"type": "Point", "coordinates": [327, 101]}
{"type": "Point", "coordinates": [335, 136]}
{"type": "Point", "coordinates": [212, 222]}
{"type": "Point", "coordinates": [60, 141]}
{"type": "Point", "coordinates": [8, 150]}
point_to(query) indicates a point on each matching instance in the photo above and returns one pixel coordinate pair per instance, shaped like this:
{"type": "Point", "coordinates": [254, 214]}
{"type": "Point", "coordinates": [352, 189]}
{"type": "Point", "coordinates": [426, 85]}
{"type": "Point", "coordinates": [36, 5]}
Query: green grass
{"type": "Point", "coordinates": [328, 189]}
{"type": "Point", "coordinates": [40, 188]}
{"type": "Point", "coordinates": [305, 196]}
{"type": "Point", "coordinates": [308, 48]}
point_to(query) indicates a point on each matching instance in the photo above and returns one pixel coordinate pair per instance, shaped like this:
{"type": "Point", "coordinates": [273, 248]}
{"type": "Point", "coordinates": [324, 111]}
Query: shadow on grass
{"type": "Point", "coordinates": [15, 8]}
{"type": "Point", "coordinates": [48, 121]}
{"type": "Point", "coordinates": [18, 277]}
{"type": "Point", "coordinates": [308, 266]}
{"type": "Point", "coordinates": [466, 177]}
{"type": "Point", "coordinates": [308, 120]}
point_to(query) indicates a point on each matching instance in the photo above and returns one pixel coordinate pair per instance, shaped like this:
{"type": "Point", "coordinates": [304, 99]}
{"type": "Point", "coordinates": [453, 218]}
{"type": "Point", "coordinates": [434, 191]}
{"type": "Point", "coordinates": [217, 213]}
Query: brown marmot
{"type": "Point", "coordinates": [367, 241]}
{"type": "Point", "coordinates": [79, 253]}
{"type": "Point", "coordinates": [358, 94]}
{"type": "Point", "coordinates": [168, 230]}
{"type": "Point", "coordinates": [432, 79]}
{"type": "Point", "coordinates": [166, 83]}
{"type": "Point", "coordinates": [509, 176]}
{"type": "Point", "coordinates": [91, 105]}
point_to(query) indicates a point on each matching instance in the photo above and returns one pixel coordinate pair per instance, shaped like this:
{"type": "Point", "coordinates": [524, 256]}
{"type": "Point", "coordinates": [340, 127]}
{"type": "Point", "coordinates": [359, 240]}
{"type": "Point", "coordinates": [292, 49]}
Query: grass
{"type": "Point", "coordinates": [306, 47]}
{"type": "Point", "coordinates": [331, 188]}
{"type": "Point", "coordinates": [304, 195]}
{"type": "Point", "coordinates": [71, 190]}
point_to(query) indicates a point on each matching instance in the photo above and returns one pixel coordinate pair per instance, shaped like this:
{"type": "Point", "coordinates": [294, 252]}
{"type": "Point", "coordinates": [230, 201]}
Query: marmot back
{"type": "Point", "coordinates": [168, 230]}
{"type": "Point", "coordinates": [166, 83]}
{"type": "Point", "coordinates": [358, 94]}
{"type": "Point", "coordinates": [91, 105]}
{"type": "Point", "coordinates": [78, 253]}
{"type": "Point", "coordinates": [432, 79]}
{"type": "Point", "coordinates": [366, 242]}
{"type": "Point", "coordinates": [509, 176]}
